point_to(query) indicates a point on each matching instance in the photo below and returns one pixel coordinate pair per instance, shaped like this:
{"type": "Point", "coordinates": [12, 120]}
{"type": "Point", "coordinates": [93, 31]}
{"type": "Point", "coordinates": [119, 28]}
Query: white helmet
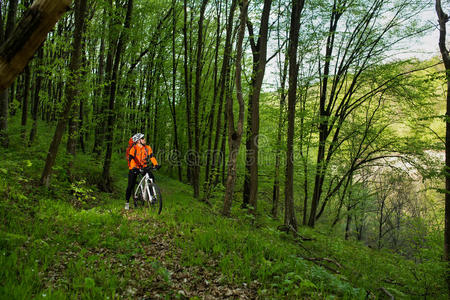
{"type": "Point", "coordinates": [137, 137]}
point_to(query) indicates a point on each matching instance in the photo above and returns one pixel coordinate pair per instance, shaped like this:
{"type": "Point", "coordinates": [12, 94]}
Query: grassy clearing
{"type": "Point", "coordinates": [72, 241]}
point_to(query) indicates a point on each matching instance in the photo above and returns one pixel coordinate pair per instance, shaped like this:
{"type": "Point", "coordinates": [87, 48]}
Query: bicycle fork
{"type": "Point", "coordinates": [150, 192]}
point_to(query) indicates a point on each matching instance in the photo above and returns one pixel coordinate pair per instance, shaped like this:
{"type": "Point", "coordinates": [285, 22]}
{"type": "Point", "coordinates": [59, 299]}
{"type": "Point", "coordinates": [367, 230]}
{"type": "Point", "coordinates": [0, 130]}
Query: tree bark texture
{"type": "Point", "coordinates": [187, 86]}
{"type": "Point", "coordinates": [224, 80]}
{"type": "Point", "coordinates": [212, 112]}
{"type": "Point", "coordinates": [174, 112]}
{"type": "Point", "coordinates": [197, 100]}
{"type": "Point", "coordinates": [289, 213]}
{"type": "Point", "coordinates": [26, 96]}
{"type": "Point", "coordinates": [10, 22]}
{"type": "Point", "coordinates": [34, 108]}
{"type": "Point", "coordinates": [98, 109]}
{"type": "Point", "coordinates": [259, 50]}
{"type": "Point", "coordinates": [28, 35]}
{"type": "Point", "coordinates": [235, 134]}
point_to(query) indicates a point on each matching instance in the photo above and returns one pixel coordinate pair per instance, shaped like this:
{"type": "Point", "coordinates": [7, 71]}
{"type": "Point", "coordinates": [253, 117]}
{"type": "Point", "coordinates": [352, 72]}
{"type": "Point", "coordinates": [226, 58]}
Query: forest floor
{"type": "Point", "coordinates": [156, 270]}
{"type": "Point", "coordinates": [72, 241]}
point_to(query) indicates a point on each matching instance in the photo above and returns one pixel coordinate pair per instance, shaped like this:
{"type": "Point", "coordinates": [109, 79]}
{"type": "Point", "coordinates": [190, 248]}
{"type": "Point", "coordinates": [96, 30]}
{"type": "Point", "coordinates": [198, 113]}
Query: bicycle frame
{"type": "Point", "coordinates": [144, 188]}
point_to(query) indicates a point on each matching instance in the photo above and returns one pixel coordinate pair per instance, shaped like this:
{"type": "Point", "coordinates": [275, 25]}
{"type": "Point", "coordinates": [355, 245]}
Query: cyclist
{"type": "Point", "coordinates": [140, 157]}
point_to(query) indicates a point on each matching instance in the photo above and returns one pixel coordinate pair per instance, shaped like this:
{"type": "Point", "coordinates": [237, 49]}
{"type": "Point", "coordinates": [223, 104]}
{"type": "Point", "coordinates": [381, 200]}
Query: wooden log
{"type": "Point", "coordinates": [28, 35]}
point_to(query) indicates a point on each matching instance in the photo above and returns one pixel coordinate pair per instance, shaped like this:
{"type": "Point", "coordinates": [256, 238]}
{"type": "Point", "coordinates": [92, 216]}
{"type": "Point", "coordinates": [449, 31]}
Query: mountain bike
{"type": "Point", "coordinates": [148, 193]}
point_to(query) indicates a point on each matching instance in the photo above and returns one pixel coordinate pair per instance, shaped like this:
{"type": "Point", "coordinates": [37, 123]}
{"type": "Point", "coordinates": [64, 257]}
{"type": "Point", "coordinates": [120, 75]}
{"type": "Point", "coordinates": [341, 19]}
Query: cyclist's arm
{"type": "Point", "coordinates": [152, 157]}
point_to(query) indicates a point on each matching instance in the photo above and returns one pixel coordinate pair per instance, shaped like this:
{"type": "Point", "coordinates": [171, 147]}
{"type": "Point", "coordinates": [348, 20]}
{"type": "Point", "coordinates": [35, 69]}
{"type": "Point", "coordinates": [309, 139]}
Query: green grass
{"type": "Point", "coordinates": [57, 244]}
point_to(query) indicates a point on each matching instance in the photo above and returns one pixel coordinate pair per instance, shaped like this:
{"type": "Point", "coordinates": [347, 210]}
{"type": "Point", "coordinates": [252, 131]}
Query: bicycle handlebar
{"type": "Point", "coordinates": [142, 171]}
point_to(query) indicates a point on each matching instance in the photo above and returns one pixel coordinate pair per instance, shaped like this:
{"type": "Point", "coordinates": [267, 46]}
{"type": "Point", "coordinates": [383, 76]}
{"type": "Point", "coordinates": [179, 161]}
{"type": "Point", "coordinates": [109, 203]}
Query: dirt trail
{"type": "Point", "coordinates": [169, 277]}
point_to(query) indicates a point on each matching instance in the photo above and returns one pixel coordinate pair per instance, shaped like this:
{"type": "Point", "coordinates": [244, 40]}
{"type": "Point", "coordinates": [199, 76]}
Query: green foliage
{"type": "Point", "coordinates": [54, 249]}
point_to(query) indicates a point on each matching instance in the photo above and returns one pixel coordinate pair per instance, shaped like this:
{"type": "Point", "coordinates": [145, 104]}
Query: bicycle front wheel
{"type": "Point", "coordinates": [155, 199]}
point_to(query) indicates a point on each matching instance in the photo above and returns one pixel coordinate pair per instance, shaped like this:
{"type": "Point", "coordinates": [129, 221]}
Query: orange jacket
{"type": "Point", "coordinates": [140, 156]}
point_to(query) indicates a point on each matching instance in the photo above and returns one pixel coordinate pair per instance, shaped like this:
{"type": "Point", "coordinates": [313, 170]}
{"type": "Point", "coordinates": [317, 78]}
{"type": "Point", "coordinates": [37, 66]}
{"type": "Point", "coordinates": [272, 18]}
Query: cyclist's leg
{"type": "Point", "coordinates": [132, 175]}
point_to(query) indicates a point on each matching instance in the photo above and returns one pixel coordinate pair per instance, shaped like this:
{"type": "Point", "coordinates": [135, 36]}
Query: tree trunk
{"type": "Point", "coordinates": [210, 151]}
{"type": "Point", "coordinates": [174, 112]}
{"type": "Point", "coordinates": [73, 126]}
{"type": "Point", "coordinates": [289, 213]}
{"type": "Point", "coordinates": [10, 22]}
{"type": "Point", "coordinates": [323, 117]}
{"type": "Point", "coordinates": [98, 97]}
{"type": "Point", "coordinates": [4, 139]}
{"type": "Point", "coordinates": [26, 96]}
{"type": "Point", "coordinates": [443, 19]}
{"type": "Point", "coordinates": [109, 136]}
{"type": "Point", "coordinates": [187, 88]}
{"type": "Point", "coordinates": [81, 129]}
{"type": "Point", "coordinates": [80, 11]}
{"type": "Point", "coordinates": [34, 109]}
{"type": "Point", "coordinates": [29, 34]}
{"type": "Point", "coordinates": [235, 135]}
{"type": "Point", "coordinates": [348, 223]}
{"type": "Point", "coordinates": [197, 100]}
{"type": "Point", "coordinates": [223, 84]}
{"type": "Point", "coordinates": [2, 33]}
{"type": "Point", "coordinates": [276, 180]}
{"type": "Point", "coordinates": [259, 50]}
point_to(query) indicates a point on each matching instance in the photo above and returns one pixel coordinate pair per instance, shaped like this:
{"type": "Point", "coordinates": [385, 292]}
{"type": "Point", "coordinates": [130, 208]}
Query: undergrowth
{"type": "Point", "coordinates": [73, 241]}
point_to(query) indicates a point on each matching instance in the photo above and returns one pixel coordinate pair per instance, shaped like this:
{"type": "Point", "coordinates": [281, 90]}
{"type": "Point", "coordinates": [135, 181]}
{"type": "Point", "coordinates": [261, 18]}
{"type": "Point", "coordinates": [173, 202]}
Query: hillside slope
{"type": "Point", "coordinates": [72, 241]}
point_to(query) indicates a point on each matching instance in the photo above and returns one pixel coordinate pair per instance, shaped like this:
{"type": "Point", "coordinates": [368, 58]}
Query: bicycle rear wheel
{"type": "Point", "coordinates": [155, 203]}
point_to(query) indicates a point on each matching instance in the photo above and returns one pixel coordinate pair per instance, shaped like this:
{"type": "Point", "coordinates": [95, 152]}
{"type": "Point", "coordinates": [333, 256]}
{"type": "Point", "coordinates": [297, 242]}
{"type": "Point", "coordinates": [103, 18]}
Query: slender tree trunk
{"type": "Point", "coordinates": [187, 88]}
{"type": "Point", "coordinates": [174, 112]}
{"type": "Point", "coordinates": [26, 96]}
{"type": "Point", "coordinates": [80, 11]}
{"type": "Point", "coordinates": [73, 127]}
{"type": "Point", "coordinates": [223, 146]}
{"type": "Point", "coordinates": [197, 100]}
{"type": "Point", "coordinates": [98, 97]}
{"type": "Point", "coordinates": [34, 109]}
{"type": "Point", "coordinates": [276, 181]}
{"type": "Point", "coordinates": [2, 33]}
{"type": "Point", "coordinates": [348, 223]}
{"type": "Point", "coordinates": [109, 136]}
{"type": "Point", "coordinates": [323, 120]}
{"type": "Point", "coordinates": [10, 22]}
{"type": "Point", "coordinates": [210, 152]}
{"type": "Point", "coordinates": [223, 84]}
{"type": "Point", "coordinates": [380, 223]}
{"type": "Point", "coordinates": [289, 216]}
{"type": "Point", "coordinates": [81, 134]}
{"type": "Point", "coordinates": [259, 50]}
{"type": "Point", "coordinates": [443, 19]}
{"type": "Point", "coordinates": [235, 135]}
